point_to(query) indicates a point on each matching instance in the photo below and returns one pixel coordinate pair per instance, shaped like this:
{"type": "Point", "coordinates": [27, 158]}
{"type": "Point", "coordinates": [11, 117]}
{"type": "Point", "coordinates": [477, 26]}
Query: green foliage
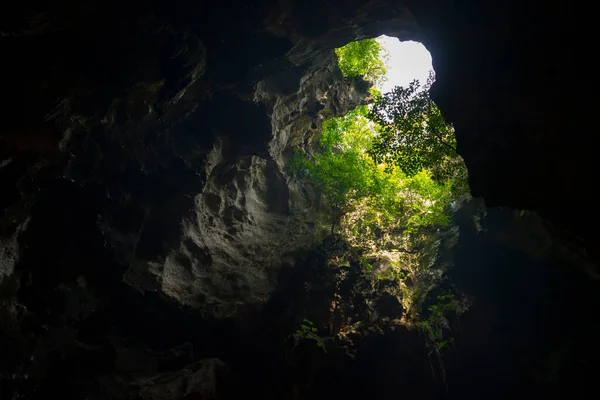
{"type": "Point", "coordinates": [343, 178]}
{"type": "Point", "coordinates": [392, 274]}
{"type": "Point", "coordinates": [437, 323]}
{"type": "Point", "coordinates": [375, 93]}
{"type": "Point", "coordinates": [353, 131]}
{"type": "Point", "coordinates": [413, 135]}
{"type": "Point", "coordinates": [364, 59]}
{"type": "Point", "coordinates": [429, 201]}
{"type": "Point", "coordinates": [436, 326]}
{"type": "Point", "coordinates": [364, 263]}
{"type": "Point", "coordinates": [308, 331]}
{"type": "Point", "coordinates": [390, 177]}
{"type": "Point", "coordinates": [339, 169]}
{"type": "Point", "coordinates": [433, 326]}
{"type": "Point", "coordinates": [524, 213]}
{"type": "Point", "coordinates": [379, 199]}
{"type": "Point", "coordinates": [396, 205]}
{"type": "Point", "coordinates": [388, 173]}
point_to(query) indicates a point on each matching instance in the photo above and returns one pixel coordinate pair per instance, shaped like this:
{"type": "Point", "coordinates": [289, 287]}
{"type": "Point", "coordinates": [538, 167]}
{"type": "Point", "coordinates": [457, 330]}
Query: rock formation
{"type": "Point", "coordinates": [153, 246]}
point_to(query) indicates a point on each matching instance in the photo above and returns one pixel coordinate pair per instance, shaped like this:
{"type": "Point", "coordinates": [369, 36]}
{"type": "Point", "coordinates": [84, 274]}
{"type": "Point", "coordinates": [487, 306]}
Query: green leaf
{"type": "Point", "coordinates": [364, 59]}
{"type": "Point", "coordinates": [414, 136]}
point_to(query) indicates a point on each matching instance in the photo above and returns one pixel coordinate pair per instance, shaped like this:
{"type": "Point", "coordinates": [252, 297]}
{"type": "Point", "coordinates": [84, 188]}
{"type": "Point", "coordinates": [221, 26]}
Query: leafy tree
{"type": "Point", "coordinates": [397, 206]}
{"type": "Point", "coordinates": [428, 200]}
{"type": "Point", "coordinates": [436, 326]}
{"type": "Point", "coordinates": [342, 177]}
{"type": "Point", "coordinates": [353, 131]}
{"type": "Point", "coordinates": [307, 331]}
{"type": "Point", "coordinates": [387, 210]}
{"type": "Point", "coordinates": [373, 202]}
{"type": "Point", "coordinates": [389, 172]}
{"type": "Point", "coordinates": [364, 58]}
{"type": "Point", "coordinates": [387, 168]}
{"type": "Point", "coordinates": [339, 168]}
{"type": "Point", "coordinates": [413, 135]}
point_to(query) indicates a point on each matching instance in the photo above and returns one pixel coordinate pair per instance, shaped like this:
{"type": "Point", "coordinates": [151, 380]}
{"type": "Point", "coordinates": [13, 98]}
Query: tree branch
{"type": "Point", "coordinates": [439, 137]}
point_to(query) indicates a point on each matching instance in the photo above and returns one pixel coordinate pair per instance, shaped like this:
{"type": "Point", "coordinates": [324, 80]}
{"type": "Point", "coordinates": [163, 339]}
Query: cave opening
{"type": "Point", "coordinates": [390, 178]}
{"type": "Point", "coordinates": [400, 228]}
{"type": "Point", "coordinates": [405, 61]}
{"type": "Point", "coordinates": [395, 137]}
{"type": "Point", "coordinates": [164, 250]}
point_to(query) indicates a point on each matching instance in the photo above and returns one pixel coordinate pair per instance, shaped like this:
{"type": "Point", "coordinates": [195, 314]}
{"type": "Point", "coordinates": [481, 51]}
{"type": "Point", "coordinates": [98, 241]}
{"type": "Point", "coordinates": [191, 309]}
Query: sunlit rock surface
{"type": "Point", "coordinates": [154, 245]}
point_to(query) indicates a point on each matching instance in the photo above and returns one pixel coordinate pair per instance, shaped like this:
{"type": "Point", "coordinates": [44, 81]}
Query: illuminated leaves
{"type": "Point", "coordinates": [387, 168]}
{"type": "Point", "coordinates": [413, 135]}
{"type": "Point", "coordinates": [364, 59]}
{"type": "Point", "coordinates": [372, 200]}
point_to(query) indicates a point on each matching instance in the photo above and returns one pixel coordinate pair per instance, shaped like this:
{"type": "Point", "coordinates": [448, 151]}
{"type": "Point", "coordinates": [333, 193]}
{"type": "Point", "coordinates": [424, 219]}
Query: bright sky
{"type": "Point", "coordinates": [407, 61]}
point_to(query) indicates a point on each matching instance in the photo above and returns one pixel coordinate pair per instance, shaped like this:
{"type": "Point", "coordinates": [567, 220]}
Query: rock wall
{"type": "Point", "coordinates": [512, 120]}
{"type": "Point", "coordinates": [145, 196]}
{"type": "Point", "coordinates": [251, 217]}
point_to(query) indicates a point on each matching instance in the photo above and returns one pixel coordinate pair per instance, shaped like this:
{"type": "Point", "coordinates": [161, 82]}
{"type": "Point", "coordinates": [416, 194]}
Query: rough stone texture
{"type": "Point", "coordinates": [495, 56]}
{"type": "Point", "coordinates": [124, 122]}
{"type": "Point", "coordinates": [321, 94]}
{"type": "Point", "coordinates": [9, 252]}
{"type": "Point", "coordinates": [230, 252]}
{"type": "Point", "coordinates": [251, 216]}
{"type": "Point", "coordinates": [197, 380]}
